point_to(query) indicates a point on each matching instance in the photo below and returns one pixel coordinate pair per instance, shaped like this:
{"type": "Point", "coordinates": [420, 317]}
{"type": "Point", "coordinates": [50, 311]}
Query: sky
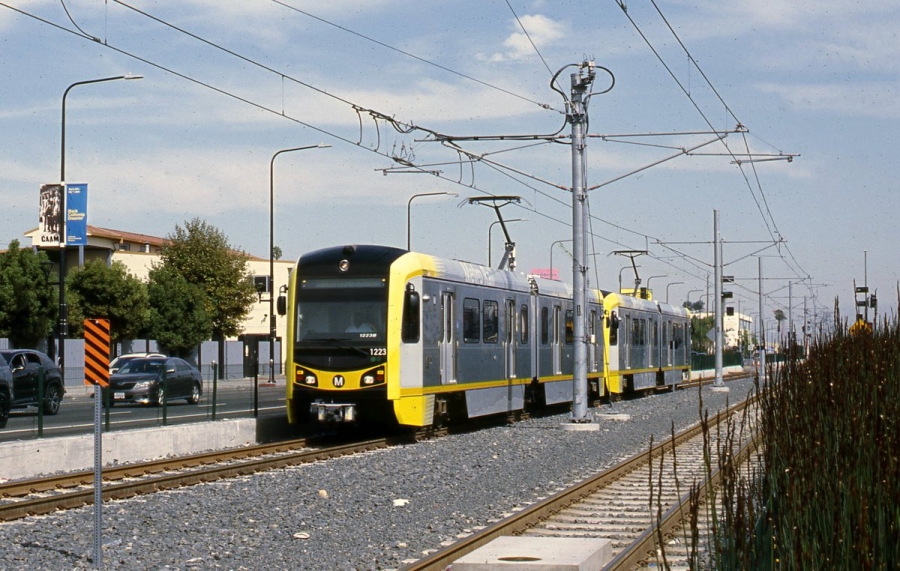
{"type": "Point", "coordinates": [695, 107]}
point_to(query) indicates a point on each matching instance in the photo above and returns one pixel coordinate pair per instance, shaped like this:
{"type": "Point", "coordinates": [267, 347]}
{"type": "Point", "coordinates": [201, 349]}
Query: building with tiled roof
{"type": "Point", "coordinates": [138, 252]}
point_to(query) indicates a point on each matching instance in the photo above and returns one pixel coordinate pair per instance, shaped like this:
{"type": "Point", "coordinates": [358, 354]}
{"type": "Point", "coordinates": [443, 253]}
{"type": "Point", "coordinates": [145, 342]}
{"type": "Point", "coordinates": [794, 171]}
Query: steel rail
{"type": "Point", "coordinates": [645, 548]}
{"type": "Point", "coordinates": [73, 499]}
{"type": "Point", "coordinates": [24, 487]}
{"type": "Point", "coordinates": [533, 515]}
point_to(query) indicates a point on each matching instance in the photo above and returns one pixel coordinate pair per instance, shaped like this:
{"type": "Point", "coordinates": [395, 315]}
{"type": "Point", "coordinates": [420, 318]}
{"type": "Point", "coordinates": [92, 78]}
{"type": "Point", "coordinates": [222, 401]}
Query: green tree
{"type": "Point", "coordinates": [694, 305]}
{"type": "Point", "coordinates": [27, 302]}
{"type": "Point", "coordinates": [178, 317]}
{"type": "Point", "coordinates": [200, 253]}
{"type": "Point", "coordinates": [699, 327]}
{"type": "Point", "coordinates": [779, 317]}
{"type": "Point", "coordinates": [96, 290]}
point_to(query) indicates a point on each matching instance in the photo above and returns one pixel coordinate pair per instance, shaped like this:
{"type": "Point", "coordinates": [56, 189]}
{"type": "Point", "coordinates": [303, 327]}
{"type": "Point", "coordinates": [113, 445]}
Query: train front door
{"type": "Point", "coordinates": [448, 338]}
{"type": "Point", "coordinates": [510, 339]}
{"type": "Point", "coordinates": [556, 340]}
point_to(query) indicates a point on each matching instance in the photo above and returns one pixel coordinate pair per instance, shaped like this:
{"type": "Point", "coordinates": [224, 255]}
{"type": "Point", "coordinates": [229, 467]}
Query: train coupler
{"type": "Point", "coordinates": [333, 412]}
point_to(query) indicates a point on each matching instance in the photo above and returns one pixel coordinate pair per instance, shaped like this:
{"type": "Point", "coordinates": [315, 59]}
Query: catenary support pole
{"type": "Point", "coordinates": [581, 81]}
{"type": "Point", "coordinates": [717, 260]}
{"type": "Point", "coordinates": [762, 327]}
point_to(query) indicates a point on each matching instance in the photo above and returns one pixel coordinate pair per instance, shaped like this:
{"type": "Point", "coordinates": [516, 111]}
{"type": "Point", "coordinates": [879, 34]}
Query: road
{"type": "Point", "coordinates": [234, 399]}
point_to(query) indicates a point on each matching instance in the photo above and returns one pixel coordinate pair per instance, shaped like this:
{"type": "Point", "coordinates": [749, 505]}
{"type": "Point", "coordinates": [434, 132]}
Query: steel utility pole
{"type": "Point", "coordinates": [581, 81]}
{"type": "Point", "coordinates": [762, 329]}
{"type": "Point", "coordinates": [717, 261]}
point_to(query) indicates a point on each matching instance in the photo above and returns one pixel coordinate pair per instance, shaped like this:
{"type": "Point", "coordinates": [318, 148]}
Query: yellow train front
{"type": "Point", "coordinates": [337, 337]}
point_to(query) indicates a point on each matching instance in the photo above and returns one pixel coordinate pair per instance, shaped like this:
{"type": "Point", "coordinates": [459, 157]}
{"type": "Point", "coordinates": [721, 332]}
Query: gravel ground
{"type": "Point", "coordinates": [370, 511]}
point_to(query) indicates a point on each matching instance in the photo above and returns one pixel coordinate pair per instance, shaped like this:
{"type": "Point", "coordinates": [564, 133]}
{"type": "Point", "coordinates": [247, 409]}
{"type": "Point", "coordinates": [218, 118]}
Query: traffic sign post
{"type": "Point", "coordinates": [96, 372]}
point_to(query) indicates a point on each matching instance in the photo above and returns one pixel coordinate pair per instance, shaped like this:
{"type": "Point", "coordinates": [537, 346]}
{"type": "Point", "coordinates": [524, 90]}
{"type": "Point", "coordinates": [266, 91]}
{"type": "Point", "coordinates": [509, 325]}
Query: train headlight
{"type": "Point", "coordinates": [373, 377]}
{"type": "Point", "coordinates": [304, 377]}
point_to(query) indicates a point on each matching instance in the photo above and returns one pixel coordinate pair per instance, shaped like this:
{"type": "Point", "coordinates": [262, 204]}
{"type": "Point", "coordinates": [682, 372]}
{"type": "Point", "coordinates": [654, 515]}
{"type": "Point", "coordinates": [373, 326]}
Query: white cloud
{"type": "Point", "coordinates": [543, 31]}
{"type": "Point", "coordinates": [861, 99]}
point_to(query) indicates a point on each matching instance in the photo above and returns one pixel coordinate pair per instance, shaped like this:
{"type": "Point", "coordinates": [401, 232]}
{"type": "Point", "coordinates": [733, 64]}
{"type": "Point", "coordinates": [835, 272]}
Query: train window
{"type": "Point", "coordinates": [491, 321]}
{"type": "Point", "coordinates": [523, 324]}
{"type": "Point", "coordinates": [409, 331]}
{"type": "Point", "coordinates": [471, 321]}
{"type": "Point", "coordinates": [654, 333]}
{"type": "Point", "coordinates": [570, 327]}
{"type": "Point", "coordinates": [545, 326]}
{"type": "Point", "coordinates": [613, 324]}
{"type": "Point", "coordinates": [678, 335]}
{"type": "Point", "coordinates": [638, 335]}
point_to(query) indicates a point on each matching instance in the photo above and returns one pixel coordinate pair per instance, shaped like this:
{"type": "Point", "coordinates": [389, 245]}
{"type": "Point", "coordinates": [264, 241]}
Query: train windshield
{"type": "Point", "coordinates": [342, 309]}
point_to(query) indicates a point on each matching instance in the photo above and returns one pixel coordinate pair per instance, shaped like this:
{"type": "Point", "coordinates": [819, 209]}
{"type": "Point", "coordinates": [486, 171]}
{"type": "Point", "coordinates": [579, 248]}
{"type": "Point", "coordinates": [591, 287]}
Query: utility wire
{"type": "Point", "coordinates": [687, 94]}
{"type": "Point", "coordinates": [531, 41]}
{"type": "Point", "coordinates": [767, 215]}
{"type": "Point", "coordinates": [410, 55]}
{"type": "Point", "coordinates": [397, 125]}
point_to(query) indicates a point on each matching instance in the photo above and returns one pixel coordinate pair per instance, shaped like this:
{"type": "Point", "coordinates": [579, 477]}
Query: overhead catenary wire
{"type": "Point", "coordinates": [761, 202]}
{"type": "Point", "coordinates": [411, 55]}
{"type": "Point", "coordinates": [397, 125]}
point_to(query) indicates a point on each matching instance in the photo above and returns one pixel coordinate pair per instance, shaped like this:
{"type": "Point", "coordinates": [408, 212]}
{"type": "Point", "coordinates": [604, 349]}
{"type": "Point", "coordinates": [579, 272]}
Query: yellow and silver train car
{"type": "Point", "coordinates": [379, 333]}
{"type": "Point", "coordinates": [647, 344]}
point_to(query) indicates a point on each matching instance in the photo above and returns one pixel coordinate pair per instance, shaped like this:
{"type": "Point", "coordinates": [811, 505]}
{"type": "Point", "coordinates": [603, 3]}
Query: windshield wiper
{"type": "Point", "coordinates": [343, 343]}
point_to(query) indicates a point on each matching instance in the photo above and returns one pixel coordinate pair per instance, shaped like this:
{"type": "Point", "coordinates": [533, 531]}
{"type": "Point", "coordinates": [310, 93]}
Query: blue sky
{"type": "Point", "coordinates": [817, 79]}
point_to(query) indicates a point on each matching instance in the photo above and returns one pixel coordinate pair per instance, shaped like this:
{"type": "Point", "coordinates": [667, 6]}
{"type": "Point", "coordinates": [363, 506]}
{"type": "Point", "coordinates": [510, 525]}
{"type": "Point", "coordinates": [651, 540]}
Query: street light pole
{"type": "Point", "coordinates": [650, 278]}
{"type": "Point", "coordinates": [689, 294]}
{"type": "Point", "coordinates": [272, 323]}
{"type": "Point", "coordinates": [409, 204]}
{"type": "Point", "coordinates": [551, 254]}
{"type": "Point", "coordinates": [667, 289]}
{"type": "Point", "coordinates": [63, 326]}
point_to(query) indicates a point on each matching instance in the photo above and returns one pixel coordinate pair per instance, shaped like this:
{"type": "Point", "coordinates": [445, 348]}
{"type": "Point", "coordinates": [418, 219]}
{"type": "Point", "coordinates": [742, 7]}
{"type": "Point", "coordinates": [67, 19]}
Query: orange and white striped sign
{"type": "Point", "coordinates": [96, 352]}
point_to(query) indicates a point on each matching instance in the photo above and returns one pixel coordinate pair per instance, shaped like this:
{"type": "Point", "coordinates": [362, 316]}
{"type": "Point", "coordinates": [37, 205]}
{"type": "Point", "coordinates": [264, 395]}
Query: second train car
{"type": "Point", "coordinates": [379, 333]}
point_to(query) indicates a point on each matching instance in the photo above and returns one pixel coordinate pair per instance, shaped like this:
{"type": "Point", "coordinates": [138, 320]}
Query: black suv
{"type": "Point", "coordinates": [5, 392]}
{"type": "Point", "coordinates": [27, 366]}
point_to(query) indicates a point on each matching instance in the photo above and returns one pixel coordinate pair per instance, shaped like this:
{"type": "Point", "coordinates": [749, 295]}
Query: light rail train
{"type": "Point", "coordinates": [379, 333]}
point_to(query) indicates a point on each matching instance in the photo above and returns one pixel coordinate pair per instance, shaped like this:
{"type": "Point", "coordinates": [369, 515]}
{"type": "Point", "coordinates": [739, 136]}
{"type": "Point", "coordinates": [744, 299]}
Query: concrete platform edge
{"type": "Point", "coordinates": [31, 458]}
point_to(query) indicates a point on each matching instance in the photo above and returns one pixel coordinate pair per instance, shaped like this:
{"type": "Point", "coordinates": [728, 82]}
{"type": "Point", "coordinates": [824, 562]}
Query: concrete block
{"type": "Point", "coordinates": [529, 553]}
{"type": "Point", "coordinates": [30, 458]}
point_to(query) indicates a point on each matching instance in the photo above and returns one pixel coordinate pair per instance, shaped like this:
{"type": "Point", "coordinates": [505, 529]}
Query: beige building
{"type": "Point", "coordinates": [138, 252]}
{"type": "Point", "coordinates": [733, 327]}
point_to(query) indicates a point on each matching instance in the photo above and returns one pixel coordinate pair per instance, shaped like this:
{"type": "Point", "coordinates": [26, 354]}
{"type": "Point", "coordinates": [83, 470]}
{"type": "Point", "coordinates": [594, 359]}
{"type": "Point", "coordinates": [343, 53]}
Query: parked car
{"type": "Point", "coordinates": [27, 366]}
{"type": "Point", "coordinates": [6, 385]}
{"type": "Point", "coordinates": [117, 363]}
{"type": "Point", "coordinates": [141, 380]}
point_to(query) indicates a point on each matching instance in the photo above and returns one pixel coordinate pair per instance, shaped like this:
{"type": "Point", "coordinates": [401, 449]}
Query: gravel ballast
{"type": "Point", "coordinates": [378, 510]}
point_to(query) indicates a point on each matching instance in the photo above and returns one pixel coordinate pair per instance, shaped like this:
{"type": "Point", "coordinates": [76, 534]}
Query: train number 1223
{"type": "Point", "coordinates": [378, 351]}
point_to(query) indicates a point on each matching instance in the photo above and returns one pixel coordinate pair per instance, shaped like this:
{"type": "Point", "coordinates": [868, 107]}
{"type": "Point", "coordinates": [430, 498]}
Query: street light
{"type": "Point", "coordinates": [551, 256]}
{"type": "Point", "coordinates": [689, 294]}
{"type": "Point", "coordinates": [491, 228]}
{"type": "Point", "coordinates": [409, 204]}
{"type": "Point", "coordinates": [667, 289]}
{"type": "Point", "coordinates": [651, 277]}
{"type": "Point", "coordinates": [63, 308]}
{"type": "Point", "coordinates": [272, 330]}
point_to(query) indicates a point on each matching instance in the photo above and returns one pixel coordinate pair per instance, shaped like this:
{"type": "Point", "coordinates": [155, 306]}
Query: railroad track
{"type": "Point", "coordinates": [37, 496]}
{"type": "Point", "coordinates": [636, 504]}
